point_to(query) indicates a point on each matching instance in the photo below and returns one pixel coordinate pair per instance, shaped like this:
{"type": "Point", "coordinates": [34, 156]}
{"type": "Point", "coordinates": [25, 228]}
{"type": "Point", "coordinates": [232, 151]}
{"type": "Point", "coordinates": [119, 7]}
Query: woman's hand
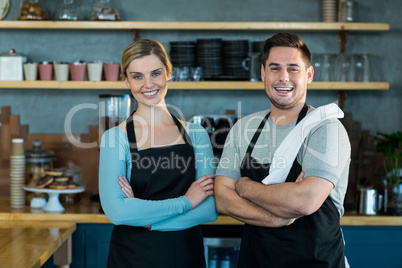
{"type": "Point", "coordinates": [200, 189]}
{"type": "Point", "coordinates": [126, 187]}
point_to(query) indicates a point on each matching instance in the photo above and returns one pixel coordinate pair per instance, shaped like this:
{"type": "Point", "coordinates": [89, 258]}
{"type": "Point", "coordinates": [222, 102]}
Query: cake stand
{"type": "Point", "coordinates": [53, 204]}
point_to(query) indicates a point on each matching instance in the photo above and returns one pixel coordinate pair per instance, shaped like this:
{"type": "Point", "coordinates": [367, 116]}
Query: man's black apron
{"type": "Point", "coordinates": [139, 247]}
{"type": "Point", "coordinates": [311, 241]}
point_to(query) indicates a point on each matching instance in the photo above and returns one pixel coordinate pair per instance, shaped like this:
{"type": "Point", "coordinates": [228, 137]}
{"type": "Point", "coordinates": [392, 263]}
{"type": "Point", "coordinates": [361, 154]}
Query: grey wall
{"type": "Point", "coordinates": [46, 110]}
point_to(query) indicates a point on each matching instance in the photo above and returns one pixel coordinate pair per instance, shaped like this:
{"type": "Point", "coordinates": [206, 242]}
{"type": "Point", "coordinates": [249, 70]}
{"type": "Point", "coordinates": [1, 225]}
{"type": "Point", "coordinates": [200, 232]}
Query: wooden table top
{"type": "Point", "coordinates": [87, 211]}
{"type": "Point", "coordinates": [31, 243]}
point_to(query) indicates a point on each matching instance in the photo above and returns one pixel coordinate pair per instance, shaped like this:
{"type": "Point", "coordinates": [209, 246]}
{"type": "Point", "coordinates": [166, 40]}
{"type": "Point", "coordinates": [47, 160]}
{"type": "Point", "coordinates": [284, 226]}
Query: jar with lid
{"type": "Point", "coordinates": [104, 10]}
{"type": "Point", "coordinates": [68, 10]}
{"type": "Point", "coordinates": [38, 161]}
{"type": "Point", "coordinates": [11, 65]}
{"type": "Point", "coordinates": [31, 10]}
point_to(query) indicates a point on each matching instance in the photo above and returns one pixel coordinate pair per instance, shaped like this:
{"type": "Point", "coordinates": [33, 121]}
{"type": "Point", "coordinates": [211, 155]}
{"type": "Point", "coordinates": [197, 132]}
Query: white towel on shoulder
{"type": "Point", "coordinates": [290, 146]}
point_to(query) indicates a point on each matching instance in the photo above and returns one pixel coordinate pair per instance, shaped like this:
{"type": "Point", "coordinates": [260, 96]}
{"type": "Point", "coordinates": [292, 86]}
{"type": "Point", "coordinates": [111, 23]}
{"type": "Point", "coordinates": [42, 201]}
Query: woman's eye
{"type": "Point", "coordinates": [137, 77]}
{"type": "Point", "coordinates": [156, 74]}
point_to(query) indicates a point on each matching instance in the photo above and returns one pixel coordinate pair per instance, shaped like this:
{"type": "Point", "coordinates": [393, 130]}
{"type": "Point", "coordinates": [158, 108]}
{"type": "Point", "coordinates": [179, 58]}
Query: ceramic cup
{"type": "Point", "coordinates": [45, 70]}
{"type": "Point", "coordinates": [61, 71]}
{"type": "Point", "coordinates": [31, 71]}
{"type": "Point", "coordinates": [78, 70]}
{"type": "Point", "coordinates": [95, 70]}
{"type": "Point", "coordinates": [112, 71]}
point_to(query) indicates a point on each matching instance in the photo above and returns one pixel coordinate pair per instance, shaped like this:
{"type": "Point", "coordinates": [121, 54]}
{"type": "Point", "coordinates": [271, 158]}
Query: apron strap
{"type": "Point", "coordinates": [302, 113]}
{"type": "Point", "coordinates": [257, 134]}
{"type": "Point", "coordinates": [182, 130]}
{"type": "Point", "coordinates": [131, 133]}
{"type": "Point", "coordinates": [250, 148]}
{"type": "Point", "coordinates": [132, 142]}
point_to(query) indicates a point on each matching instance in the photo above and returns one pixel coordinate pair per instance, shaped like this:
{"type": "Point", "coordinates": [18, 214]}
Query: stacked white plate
{"type": "Point", "coordinates": [17, 174]}
{"type": "Point", "coordinates": [329, 10]}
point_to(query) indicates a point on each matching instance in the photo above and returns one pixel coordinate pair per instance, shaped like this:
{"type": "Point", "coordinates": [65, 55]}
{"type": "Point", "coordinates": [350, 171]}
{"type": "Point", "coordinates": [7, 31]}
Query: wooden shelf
{"type": "Point", "coordinates": [195, 25]}
{"type": "Point", "coordinates": [174, 85]}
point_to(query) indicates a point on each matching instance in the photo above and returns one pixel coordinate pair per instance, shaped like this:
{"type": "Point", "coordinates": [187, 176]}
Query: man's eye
{"type": "Point", "coordinates": [274, 69]}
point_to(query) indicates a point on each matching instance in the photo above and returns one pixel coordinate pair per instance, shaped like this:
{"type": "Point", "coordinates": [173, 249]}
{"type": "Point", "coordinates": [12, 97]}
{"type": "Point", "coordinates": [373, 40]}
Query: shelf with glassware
{"type": "Point", "coordinates": [186, 85]}
{"type": "Point", "coordinates": [195, 25]}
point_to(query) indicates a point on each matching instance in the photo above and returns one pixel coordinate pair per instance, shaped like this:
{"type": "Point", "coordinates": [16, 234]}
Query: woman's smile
{"type": "Point", "coordinates": [150, 94]}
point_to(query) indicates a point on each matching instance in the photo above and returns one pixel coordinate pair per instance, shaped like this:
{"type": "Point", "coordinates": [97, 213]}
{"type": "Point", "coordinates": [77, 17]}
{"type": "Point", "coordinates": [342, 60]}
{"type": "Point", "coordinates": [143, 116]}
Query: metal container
{"type": "Point", "coordinates": [252, 64]}
{"type": "Point", "coordinates": [114, 109]}
{"type": "Point", "coordinates": [11, 66]}
{"type": "Point", "coordinates": [368, 202]}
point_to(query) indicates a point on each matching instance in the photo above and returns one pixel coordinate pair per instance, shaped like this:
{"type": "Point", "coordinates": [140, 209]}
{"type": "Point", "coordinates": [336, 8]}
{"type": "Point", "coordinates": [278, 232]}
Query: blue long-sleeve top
{"type": "Point", "coordinates": [163, 215]}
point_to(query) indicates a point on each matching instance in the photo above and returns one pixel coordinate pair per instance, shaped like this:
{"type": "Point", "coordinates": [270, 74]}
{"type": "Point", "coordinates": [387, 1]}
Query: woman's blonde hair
{"type": "Point", "coordinates": [141, 48]}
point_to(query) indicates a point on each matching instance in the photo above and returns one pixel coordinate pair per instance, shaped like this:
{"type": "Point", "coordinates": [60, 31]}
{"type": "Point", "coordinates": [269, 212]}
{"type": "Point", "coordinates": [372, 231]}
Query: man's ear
{"type": "Point", "coordinates": [310, 74]}
{"type": "Point", "coordinates": [262, 73]}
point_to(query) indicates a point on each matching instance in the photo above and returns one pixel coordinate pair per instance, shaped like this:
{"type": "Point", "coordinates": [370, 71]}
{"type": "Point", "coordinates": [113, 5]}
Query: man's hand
{"type": "Point", "coordinates": [300, 177]}
{"type": "Point", "coordinates": [243, 182]}
{"type": "Point", "coordinates": [229, 202]}
{"type": "Point", "coordinates": [241, 185]}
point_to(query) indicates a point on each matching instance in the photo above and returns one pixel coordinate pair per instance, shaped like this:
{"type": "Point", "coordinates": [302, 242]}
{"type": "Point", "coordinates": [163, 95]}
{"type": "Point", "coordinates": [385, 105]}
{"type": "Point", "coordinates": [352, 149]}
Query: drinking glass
{"type": "Point", "coordinates": [362, 66]}
{"type": "Point", "coordinates": [326, 67]}
{"type": "Point", "coordinates": [196, 73]}
{"type": "Point", "coordinates": [316, 62]}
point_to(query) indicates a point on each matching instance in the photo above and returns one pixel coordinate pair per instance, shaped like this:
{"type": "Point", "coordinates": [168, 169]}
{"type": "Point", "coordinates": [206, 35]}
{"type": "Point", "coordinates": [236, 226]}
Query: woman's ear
{"type": "Point", "coordinates": [126, 81]}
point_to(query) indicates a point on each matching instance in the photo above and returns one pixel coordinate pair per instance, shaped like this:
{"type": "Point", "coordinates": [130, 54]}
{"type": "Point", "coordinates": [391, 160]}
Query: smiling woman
{"type": "Point", "coordinates": [4, 6]}
{"type": "Point", "coordinates": [150, 185]}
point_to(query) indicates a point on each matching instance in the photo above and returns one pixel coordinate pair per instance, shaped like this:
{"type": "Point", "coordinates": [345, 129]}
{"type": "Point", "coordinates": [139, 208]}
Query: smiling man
{"type": "Point", "coordinates": [294, 223]}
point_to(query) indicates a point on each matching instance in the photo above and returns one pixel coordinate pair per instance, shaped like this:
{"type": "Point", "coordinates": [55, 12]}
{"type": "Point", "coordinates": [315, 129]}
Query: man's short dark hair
{"type": "Point", "coordinates": [286, 40]}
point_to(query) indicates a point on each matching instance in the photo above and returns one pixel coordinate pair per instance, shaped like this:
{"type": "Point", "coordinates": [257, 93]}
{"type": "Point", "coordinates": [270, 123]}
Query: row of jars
{"type": "Point", "coordinates": [66, 10]}
{"type": "Point", "coordinates": [75, 71]}
{"type": "Point", "coordinates": [341, 67]}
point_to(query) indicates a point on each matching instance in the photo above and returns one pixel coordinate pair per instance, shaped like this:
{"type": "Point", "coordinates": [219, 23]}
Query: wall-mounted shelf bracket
{"type": "Point", "coordinates": [136, 35]}
{"type": "Point", "coordinates": [343, 38]}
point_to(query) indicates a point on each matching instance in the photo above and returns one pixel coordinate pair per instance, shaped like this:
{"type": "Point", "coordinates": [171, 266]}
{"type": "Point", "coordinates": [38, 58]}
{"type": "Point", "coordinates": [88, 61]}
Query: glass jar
{"type": "Point", "coordinates": [68, 10]}
{"type": "Point", "coordinates": [38, 161]}
{"type": "Point", "coordinates": [31, 10]}
{"type": "Point", "coordinates": [104, 10]}
{"type": "Point", "coordinates": [347, 11]}
{"type": "Point", "coordinates": [73, 173]}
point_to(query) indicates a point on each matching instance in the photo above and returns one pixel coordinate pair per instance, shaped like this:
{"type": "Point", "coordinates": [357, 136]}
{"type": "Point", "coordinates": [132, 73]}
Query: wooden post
{"type": "Point", "coordinates": [62, 257]}
{"type": "Point", "coordinates": [343, 38]}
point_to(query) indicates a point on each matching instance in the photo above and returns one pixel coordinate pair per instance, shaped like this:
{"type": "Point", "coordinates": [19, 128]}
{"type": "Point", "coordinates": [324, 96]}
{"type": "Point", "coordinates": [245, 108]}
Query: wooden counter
{"type": "Point", "coordinates": [88, 212]}
{"type": "Point", "coordinates": [31, 243]}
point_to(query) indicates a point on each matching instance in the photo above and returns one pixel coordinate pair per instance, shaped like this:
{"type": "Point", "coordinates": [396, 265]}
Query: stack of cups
{"type": "Point", "coordinates": [17, 173]}
{"type": "Point", "coordinates": [329, 10]}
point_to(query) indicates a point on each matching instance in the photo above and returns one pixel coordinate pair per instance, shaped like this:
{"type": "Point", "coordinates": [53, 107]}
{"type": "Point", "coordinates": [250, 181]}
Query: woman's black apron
{"type": "Point", "coordinates": [139, 247]}
{"type": "Point", "coordinates": [311, 241]}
